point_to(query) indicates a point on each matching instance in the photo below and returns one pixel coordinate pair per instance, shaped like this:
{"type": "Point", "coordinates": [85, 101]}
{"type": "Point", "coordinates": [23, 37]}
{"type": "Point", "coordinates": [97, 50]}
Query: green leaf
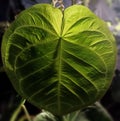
{"type": "Point", "coordinates": [75, 116]}
{"type": "Point", "coordinates": [46, 116]}
{"type": "Point", "coordinates": [59, 61]}
{"type": "Point", "coordinates": [97, 113]}
{"type": "Point", "coordinates": [92, 113]}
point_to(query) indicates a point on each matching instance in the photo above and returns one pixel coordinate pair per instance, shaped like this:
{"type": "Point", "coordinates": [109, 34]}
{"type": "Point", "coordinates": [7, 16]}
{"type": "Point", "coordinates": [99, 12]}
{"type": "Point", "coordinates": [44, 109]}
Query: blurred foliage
{"type": "Point", "coordinates": [95, 112]}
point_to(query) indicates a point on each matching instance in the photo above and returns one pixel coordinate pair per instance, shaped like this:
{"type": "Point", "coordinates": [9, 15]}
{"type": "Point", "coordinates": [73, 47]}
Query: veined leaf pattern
{"type": "Point", "coordinates": [60, 62]}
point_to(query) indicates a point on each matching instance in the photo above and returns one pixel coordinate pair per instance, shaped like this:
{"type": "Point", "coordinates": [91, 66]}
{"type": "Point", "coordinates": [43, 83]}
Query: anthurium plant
{"type": "Point", "coordinates": [60, 61]}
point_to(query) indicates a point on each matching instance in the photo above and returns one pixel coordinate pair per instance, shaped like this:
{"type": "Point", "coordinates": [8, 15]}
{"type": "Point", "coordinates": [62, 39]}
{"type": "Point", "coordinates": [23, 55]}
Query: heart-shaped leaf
{"type": "Point", "coordinates": [59, 61]}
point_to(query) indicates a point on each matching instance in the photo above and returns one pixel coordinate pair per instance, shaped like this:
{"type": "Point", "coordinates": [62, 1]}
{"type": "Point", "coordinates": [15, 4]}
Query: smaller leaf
{"type": "Point", "coordinates": [93, 113]}
{"type": "Point", "coordinates": [46, 116]}
{"type": "Point", "coordinates": [98, 113]}
{"type": "Point", "coordinates": [76, 116]}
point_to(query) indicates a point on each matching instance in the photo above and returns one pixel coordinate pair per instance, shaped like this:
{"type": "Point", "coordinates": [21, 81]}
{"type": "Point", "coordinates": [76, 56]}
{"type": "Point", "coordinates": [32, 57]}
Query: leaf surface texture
{"type": "Point", "coordinates": [60, 62]}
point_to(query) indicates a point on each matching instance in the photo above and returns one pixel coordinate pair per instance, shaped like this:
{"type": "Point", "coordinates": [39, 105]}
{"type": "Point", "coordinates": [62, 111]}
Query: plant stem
{"type": "Point", "coordinates": [54, 2]}
{"type": "Point", "coordinates": [60, 4]}
{"type": "Point", "coordinates": [17, 111]}
{"type": "Point", "coordinates": [26, 113]}
{"type": "Point", "coordinates": [98, 104]}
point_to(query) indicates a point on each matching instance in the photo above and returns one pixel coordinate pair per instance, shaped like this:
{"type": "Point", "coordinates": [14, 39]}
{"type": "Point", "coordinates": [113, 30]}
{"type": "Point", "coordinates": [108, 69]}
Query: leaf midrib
{"type": "Point", "coordinates": [59, 72]}
{"type": "Point", "coordinates": [59, 49]}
